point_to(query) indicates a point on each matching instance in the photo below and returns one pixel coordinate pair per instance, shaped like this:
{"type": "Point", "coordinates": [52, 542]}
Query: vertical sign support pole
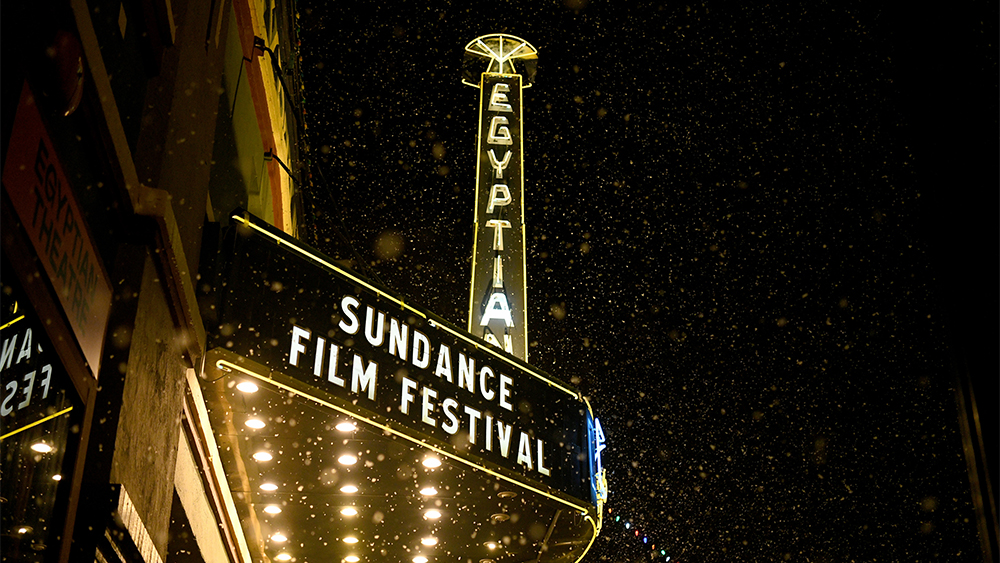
{"type": "Point", "coordinates": [498, 292]}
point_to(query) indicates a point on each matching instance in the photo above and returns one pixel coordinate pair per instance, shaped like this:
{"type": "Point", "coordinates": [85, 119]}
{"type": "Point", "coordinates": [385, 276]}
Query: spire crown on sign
{"type": "Point", "coordinates": [504, 54]}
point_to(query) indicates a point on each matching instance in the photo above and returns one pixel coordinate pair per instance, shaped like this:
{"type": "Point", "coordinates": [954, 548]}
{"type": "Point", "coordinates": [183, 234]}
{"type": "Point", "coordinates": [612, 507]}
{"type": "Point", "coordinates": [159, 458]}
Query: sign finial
{"type": "Point", "coordinates": [503, 54]}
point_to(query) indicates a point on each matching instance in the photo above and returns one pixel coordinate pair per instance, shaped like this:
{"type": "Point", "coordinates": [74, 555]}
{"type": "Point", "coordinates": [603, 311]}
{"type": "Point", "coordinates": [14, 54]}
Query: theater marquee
{"type": "Point", "coordinates": [289, 315]}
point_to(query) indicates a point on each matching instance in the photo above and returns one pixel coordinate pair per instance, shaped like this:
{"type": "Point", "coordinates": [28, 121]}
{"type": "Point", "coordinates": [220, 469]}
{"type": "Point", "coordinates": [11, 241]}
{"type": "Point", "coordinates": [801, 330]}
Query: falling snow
{"type": "Point", "coordinates": [725, 253]}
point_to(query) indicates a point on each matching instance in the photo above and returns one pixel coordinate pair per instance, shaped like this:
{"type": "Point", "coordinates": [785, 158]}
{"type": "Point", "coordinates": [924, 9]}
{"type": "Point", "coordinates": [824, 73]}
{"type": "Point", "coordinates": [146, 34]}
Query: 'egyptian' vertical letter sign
{"type": "Point", "coordinates": [498, 295]}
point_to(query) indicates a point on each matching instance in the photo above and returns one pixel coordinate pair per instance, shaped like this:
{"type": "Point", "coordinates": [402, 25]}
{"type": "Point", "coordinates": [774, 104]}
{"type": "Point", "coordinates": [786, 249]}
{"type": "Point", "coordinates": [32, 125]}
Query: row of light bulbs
{"type": "Point", "coordinates": [645, 539]}
{"type": "Point", "coordinates": [430, 462]}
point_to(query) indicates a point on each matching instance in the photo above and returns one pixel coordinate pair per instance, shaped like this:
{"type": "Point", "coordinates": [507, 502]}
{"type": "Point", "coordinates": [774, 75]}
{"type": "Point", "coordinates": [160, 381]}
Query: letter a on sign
{"type": "Point", "coordinates": [497, 308]}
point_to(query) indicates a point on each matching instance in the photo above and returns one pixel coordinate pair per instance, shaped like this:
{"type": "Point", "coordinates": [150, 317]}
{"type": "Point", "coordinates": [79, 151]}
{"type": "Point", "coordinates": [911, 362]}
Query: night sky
{"type": "Point", "coordinates": [760, 239]}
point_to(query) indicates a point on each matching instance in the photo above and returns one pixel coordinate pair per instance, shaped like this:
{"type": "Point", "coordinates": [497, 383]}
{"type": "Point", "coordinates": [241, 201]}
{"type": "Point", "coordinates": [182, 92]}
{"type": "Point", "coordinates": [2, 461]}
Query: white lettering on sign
{"type": "Point", "coordinates": [406, 397]}
{"type": "Point", "coordinates": [498, 166]}
{"type": "Point", "coordinates": [492, 432]}
{"type": "Point", "coordinates": [428, 407]}
{"type": "Point", "coordinates": [363, 377]}
{"type": "Point", "coordinates": [444, 363]}
{"type": "Point", "coordinates": [348, 304]}
{"type": "Point", "coordinates": [501, 129]}
{"type": "Point", "coordinates": [298, 334]}
{"type": "Point", "coordinates": [498, 226]}
{"type": "Point", "coordinates": [18, 394]}
{"type": "Point", "coordinates": [498, 272]}
{"type": "Point", "coordinates": [448, 406]}
{"type": "Point", "coordinates": [474, 416]}
{"type": "Point", "coordinates": [498, 98]}
{"type": "Point", "coordinates": [434, 405]}
{"type": "Point", "coordinates": [305, 349]}
{"type": "Point", "coordinates": [363, 374]}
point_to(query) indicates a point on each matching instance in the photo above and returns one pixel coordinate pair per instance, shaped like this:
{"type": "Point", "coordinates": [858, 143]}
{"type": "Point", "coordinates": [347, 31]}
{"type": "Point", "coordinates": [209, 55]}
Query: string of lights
{"type": "Point", "coordinates": [625, 527]}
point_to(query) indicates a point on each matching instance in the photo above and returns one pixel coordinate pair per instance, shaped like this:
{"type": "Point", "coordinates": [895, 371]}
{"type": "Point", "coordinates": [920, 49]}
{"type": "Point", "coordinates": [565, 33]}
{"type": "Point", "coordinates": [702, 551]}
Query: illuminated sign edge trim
{"type": "Point", "coordinates": [36, 423]}
{"type": "Point", "coordinates": [475, 210]}
{"type": "Point", "coordinates": [524, 218]}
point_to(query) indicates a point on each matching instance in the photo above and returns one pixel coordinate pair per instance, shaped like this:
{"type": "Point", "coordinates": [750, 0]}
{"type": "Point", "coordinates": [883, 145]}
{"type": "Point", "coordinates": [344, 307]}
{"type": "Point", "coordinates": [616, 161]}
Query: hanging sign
{"type": "Point", "coordinates": [497, 307]}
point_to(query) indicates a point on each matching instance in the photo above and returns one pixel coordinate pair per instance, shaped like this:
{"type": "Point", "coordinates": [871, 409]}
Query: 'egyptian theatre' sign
{"type": "Point", "coordinates": [497, 308]}
{"type": "Point", "coordinates": [289, 313]}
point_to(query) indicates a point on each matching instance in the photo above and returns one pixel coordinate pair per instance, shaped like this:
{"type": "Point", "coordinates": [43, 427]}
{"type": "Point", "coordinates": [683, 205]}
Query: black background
{"type": "Point", "coordinates": [762, 239]}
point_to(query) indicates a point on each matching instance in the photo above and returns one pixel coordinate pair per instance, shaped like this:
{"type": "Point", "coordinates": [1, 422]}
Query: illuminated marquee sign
{"type": "Point", "coordinates": [333, 334]}
{"type": "Point", "coordinates": [497, 308]}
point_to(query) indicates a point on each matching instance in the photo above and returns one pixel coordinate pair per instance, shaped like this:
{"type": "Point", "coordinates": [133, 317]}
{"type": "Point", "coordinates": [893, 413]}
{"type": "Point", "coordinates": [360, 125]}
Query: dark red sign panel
{"type": "Point", "coordinates": [46, 204]}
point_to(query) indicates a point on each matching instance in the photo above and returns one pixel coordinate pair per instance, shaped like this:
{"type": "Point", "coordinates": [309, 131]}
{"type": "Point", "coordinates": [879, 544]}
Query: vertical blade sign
{"type": "Point", "coordinates": [498, 295]}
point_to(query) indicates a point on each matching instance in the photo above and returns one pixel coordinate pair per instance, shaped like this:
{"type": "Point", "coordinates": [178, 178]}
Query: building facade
{"type": "Point", "coordinates": [147, 412]}
{"type": "Point", "coordinates": [130, 130]}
